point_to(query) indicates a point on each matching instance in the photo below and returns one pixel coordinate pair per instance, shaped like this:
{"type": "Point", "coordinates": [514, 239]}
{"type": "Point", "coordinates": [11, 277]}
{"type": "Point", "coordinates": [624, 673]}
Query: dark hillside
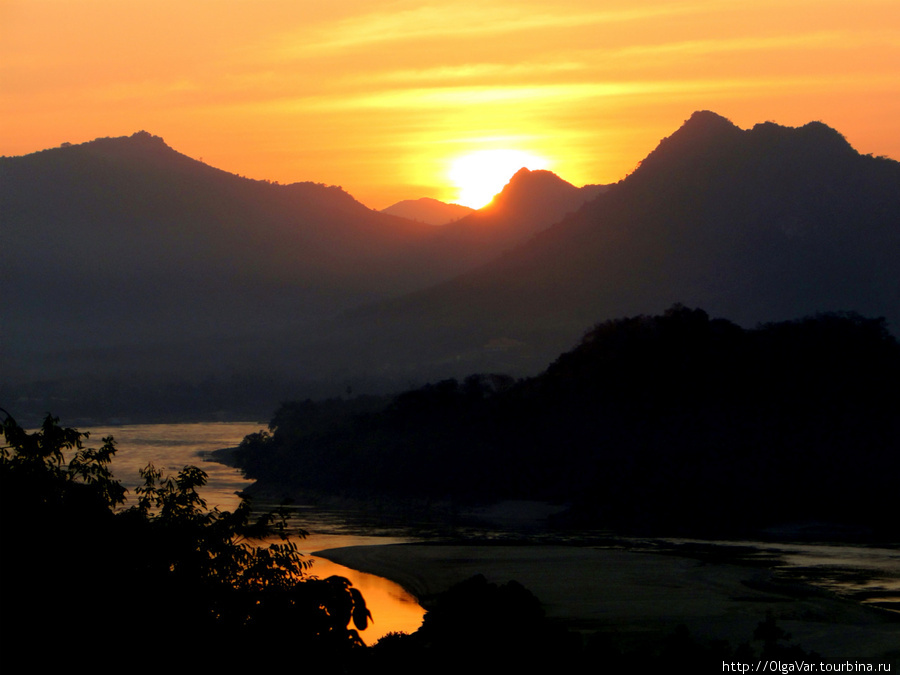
{"type": "Point", "coordinates": [531, 202]}
{"type": "Point", "coordinates": [676, 423]}
{"type": "Point", "coordinates": [131, 268]}
{"type": "Point", "coordinates": [759, 225]}
{"type": "Point", "coordinates": [130, 234]}
{"type": "Point", "coordinates": [428, 210]}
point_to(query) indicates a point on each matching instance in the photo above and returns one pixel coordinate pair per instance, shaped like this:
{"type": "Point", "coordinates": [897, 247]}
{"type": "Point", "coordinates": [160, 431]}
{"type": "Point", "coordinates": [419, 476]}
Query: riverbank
{"type": "Point", "coordinates": [631, 596]}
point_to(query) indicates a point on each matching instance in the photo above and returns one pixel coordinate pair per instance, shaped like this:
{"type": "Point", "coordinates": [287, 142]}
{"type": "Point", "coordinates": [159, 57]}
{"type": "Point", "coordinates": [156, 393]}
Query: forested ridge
{"type": "Point", "coordinates": [676, 423]}
{"type": "Point", "coordinates": [219, 296]}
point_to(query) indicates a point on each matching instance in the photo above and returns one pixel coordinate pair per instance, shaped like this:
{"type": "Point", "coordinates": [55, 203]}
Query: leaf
{"type": "Point", "coordinates": [361, 614]}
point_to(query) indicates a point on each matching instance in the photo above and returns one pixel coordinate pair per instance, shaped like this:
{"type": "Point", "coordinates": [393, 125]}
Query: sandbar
{"type": "Point", "coordinates": [631, 594]}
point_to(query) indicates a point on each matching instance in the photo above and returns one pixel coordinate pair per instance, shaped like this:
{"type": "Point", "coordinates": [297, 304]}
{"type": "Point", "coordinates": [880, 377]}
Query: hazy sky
{"type": "Point", "coordinates": [381, 97]}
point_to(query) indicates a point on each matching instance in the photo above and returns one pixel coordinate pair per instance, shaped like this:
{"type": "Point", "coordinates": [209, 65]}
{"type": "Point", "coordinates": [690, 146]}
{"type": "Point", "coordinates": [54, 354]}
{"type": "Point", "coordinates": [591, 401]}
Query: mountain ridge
{"type": "Point", "coordinates": [529, 203]}
{"type": "Point", "coordinates": [759, 225]}
{"type": "Point", "coordinates": [652, 419]}
{"type": "Point", "coordinates": [428, 210]}
{"type": "Point", "coordinates": [149, 150]}
{"type": "Point", "coordinates": [155, 278]}
{"type": "Point", "coordinates": [185, 268]}
{"type": "Point", "coordinates": [151, 238]}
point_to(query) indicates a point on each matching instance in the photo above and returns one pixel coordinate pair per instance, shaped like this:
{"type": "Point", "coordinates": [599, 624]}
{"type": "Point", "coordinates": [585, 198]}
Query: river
{"type": "Point", "coordinates": [863, 573]}
{"type": "Point", "coordinates": [171, 447]}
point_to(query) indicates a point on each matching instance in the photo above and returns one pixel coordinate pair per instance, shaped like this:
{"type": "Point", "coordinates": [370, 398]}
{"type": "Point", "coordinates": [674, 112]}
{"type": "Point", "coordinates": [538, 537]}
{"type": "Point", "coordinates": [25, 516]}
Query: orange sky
{"type": "Point", "coordinates": [381, 97]}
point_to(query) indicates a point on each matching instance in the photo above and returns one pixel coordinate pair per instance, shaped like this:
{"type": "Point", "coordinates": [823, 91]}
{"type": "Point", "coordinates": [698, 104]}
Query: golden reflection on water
{"type": "Point", "coordinates": [392, 608]}
{"type": "Point", "coordinates": [172, 446]}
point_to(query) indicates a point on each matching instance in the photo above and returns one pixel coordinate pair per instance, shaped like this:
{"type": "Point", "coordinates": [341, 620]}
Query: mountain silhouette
{"type": "Point", "coordinates": [124, 242]}
{"type": "Point", "coordinates": [125, 258]}
{"type": "Point", "coordinates": [675, 423]}
{"type": "Point", "coordinates": [530, 202]}
{"type": "Point", "coordinates": [428, 210]}
{"type": "Point", "coordinates": [533, 197]}
{"type": "Point", "coordinates": [764, 224]}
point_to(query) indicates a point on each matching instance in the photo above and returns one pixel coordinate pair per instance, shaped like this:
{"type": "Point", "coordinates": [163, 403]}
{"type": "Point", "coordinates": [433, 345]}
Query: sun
{"type": "Point", "coordinates": [482, 174]}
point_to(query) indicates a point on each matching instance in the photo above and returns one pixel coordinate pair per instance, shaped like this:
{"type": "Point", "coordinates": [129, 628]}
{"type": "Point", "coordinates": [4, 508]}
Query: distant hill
{"type": "Point", "coordinates": [534, 197]}
{"type": "Point", "coordinates": [428, 210]}
{"type": "Point", "coordinates": [125, 259]}
{"type": "Point", "coordinates": [126, 262]}
{"type": "Point", "coordinates": [674, 423]}
{"type": "Point", "coordinates": [759, 225]}
{"type": "Point", "coordinates": [128, 234]}
{"type": "Point", "coordinates": [530, 202]}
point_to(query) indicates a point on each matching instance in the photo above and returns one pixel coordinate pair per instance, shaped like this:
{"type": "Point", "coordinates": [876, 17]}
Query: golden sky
{"type": "Point", "coordinates": [382, 97]}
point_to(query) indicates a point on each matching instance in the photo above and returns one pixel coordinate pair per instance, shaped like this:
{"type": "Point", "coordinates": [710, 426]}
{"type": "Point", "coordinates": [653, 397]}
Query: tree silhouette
{"type": "Point", "coordinates": [163, 569]}
{"type": "Point", "coordinates": [663, 422]}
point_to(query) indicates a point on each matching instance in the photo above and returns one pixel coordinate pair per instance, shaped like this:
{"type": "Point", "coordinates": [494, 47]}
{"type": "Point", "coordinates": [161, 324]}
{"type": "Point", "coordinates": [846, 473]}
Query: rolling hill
{"type": "Point", "coordinates": [428, 210]}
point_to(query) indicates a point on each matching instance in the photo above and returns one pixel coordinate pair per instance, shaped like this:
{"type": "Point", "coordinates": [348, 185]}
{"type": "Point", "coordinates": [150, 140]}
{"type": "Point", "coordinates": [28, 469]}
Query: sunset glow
{"type": "Point", "coordinates": [481, 175]}
{"type": "Point", "coordinates": [381, 99]}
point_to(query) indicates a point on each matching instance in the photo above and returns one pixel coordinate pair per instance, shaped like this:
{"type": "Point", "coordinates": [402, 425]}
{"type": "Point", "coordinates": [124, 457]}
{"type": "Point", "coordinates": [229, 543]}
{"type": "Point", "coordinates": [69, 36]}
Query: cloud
{"type": "Point", "coordinates": [461, 96]}
{"type": "Point", "coordinates": [460, 20]}
{"type": "Point", "coordinates": [819, 40]}
{"type": "Point", "coordinates": [473, 71]}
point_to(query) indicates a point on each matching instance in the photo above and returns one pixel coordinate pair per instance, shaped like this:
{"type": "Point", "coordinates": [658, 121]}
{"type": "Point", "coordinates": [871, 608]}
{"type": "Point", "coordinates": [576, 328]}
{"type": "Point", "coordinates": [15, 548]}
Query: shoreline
{"type": "Point", "coordinates": [635, 595]}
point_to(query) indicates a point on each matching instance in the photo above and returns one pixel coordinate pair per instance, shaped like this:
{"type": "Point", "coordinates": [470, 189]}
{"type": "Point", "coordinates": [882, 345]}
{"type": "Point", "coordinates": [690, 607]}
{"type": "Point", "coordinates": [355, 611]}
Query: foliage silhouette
{"type": "Point", "coordinates": [165, 568]}
{"type": "Point", "coordinates": [674, 422]}
{"type": "Point", "coordinates": [101, 583]}
{"type": "Point", "coordinates": [481, 626]}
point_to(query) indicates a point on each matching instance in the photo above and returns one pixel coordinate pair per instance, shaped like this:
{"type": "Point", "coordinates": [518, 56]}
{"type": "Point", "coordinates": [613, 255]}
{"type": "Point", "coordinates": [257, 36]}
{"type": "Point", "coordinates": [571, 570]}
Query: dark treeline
{"type": "Point", "coordinates": [168, 580]}
{"type": "Point", "coordinates": [142, 285]}
{"type": "Point", "coordinates": [85, 579]}
{"type": "Point", "coordinates": [676, 423]}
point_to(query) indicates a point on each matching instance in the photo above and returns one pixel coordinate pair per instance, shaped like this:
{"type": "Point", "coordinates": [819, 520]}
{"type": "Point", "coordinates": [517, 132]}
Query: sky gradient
{"type": "Point", "coordinates": [383, 97]}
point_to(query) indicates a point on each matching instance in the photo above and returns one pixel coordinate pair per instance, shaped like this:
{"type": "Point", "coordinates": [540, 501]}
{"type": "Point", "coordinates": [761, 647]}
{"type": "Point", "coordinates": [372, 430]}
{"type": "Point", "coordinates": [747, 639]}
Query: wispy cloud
{"type": "Point", "coordinates": [461, 97]}
{"type": "Point", "coordinates": [818, 40]}
{"type": "Point", "coordinates": [473, 71]}
{"type": "Point", "coordinates": [469, 19]}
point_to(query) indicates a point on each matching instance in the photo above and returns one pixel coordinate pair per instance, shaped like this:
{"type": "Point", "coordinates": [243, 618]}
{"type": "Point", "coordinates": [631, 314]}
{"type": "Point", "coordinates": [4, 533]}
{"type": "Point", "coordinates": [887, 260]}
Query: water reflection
{"type": "Point", "coordinates": [170, 447]}
{"type": "Point", "coordinates": [864, 573]}
{"type": "Point", "coordinates": [393, 609]}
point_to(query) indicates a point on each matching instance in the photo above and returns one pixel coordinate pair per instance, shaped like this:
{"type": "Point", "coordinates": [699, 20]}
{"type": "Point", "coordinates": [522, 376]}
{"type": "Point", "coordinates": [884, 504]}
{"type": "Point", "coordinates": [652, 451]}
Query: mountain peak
{"type": "Point", "coordinates": [146, 141]}
{"type": "Point", "coordinates": [706, 121]}
{"type": "Point", "coordinates": [708, 140]}
{"type": "Point", "coordinates": [534, 175]}
{"type": "Point", "coordinates": [813, 135]}
{"type": "Point", "coordinates": [139, 140]}
{"type": "Point", "coordinates": [148, 138]}
{"type": "Point", "coordinates": [703, 128]}
{"type": "Point", "coordinates": [428, 210]}
{"type": "Point", "coordinates": [705, 133]}
{"type": "Point", "coordinates": [527, 189]}
{"type": "Point", "coordinates": [521, 174]}
{"type": "Point", "coordinates": [527, 185]}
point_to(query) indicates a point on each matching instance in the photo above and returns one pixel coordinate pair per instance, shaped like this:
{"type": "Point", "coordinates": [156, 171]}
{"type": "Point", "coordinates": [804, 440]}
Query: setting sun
{"type": "Point", "coordinates": [490, 271]}
{"type": "Point", "coordinates": [380, 98]}
{"type": "Point", "coordinates": [481, 175]}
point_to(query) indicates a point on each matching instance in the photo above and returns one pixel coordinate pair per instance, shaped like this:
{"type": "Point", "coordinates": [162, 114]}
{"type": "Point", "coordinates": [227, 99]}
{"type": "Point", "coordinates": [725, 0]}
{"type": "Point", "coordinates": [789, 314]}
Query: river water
{"type": "Point", "coordinates": [864, 573]}
{"type": "Point", "coordinates": [171, 447]}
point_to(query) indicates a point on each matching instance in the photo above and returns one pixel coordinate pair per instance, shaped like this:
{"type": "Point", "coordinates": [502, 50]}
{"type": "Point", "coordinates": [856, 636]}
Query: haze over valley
{"type": "Point", "coordinates": [577, 321]}
{"type": "Point", "coordinates": [127, 262]}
